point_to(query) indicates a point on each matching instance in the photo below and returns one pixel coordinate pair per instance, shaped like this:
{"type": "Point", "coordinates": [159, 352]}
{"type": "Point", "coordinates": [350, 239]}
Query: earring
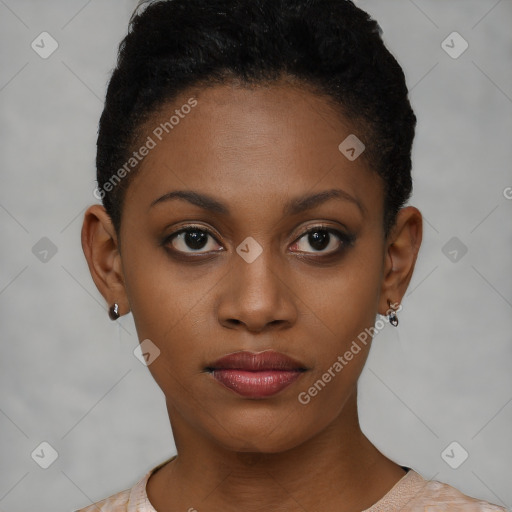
{"type": "Point", "coordinates": [393, 319]}
{"type": "Point", "coordinates": [113, 312]}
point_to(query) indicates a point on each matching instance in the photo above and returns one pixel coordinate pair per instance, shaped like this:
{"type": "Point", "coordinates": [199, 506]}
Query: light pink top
{"type": "Point", "coordinates": [412, 493]}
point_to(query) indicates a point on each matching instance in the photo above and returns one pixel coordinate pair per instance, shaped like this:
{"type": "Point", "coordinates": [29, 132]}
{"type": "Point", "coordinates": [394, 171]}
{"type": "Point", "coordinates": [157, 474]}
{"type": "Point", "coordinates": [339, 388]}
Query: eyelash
{"type": "Point", "coordinates": [345, 240]}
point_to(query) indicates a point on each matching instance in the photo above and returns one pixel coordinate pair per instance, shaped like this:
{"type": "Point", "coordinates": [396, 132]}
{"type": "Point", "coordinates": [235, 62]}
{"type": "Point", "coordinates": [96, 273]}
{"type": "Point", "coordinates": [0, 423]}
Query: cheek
{"type": "Point", "coordinates": [347, 302]}
{"type": "Point", "coordinates": [171, 306]}
{"type": "Point", "coordinates": [161, 293]}
{"type": "Point", "coordinates": [344, 311]}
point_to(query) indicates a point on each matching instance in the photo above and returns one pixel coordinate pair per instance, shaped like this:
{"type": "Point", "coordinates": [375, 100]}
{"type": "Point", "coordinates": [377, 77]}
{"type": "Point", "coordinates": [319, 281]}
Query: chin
{"type": "Point", "coordinates": [263, 432]}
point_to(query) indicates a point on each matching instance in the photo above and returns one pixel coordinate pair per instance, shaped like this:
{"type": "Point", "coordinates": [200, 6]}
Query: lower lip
{"type": "Point", "coordinates": [259, 384]}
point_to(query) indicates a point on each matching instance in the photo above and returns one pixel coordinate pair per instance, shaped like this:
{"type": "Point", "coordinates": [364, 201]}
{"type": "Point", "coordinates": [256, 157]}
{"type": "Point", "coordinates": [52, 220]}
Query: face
{"type": "Point", "coordinates": [246, 229]}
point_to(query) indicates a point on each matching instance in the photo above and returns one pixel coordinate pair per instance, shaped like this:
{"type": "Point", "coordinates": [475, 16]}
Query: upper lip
{"type": "Point", "coordinates": [260, 361]}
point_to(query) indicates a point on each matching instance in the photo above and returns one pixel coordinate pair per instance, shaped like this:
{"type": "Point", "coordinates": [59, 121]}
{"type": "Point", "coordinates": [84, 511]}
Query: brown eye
{"type": "Point", "coordinates": [322, 240]}
{"type": "Point", "coordinates": [193, 241]}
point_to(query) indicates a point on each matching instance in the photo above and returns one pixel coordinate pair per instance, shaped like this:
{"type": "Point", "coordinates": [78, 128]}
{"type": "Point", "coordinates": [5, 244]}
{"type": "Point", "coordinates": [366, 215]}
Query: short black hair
{"type": "Point", "coordinates": [330, 45]}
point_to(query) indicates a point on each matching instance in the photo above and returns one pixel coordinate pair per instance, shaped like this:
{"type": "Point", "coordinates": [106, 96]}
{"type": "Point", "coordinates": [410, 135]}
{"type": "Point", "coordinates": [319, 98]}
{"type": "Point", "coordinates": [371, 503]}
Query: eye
{"type": "Point", "coordinates": [192, 240]}
{"type": "Point", "coordinates": [322, 240]}
{"type": "Point", "coordinates": [317, 239]}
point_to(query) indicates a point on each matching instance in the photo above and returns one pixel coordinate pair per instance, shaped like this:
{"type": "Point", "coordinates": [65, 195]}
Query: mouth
{"type": "Point", "coordinates": [256, 375]}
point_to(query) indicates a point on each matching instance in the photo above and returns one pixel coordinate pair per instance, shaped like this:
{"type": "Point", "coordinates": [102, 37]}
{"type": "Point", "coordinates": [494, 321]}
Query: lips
{"type": "Point", "coordinates": [256, 375]}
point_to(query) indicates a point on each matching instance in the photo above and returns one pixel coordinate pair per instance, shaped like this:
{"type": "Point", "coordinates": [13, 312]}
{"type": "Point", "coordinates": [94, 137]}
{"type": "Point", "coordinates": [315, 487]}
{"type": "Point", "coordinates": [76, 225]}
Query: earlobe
{"type": "Point", "coordinates": [402, 249]}
{"type": "Point", "coordinates": [100, 246]}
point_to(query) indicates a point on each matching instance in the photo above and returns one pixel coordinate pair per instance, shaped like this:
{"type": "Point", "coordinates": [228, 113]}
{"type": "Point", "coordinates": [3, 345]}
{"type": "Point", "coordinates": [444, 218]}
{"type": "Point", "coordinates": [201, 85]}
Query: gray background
{"type": "Point", "coordinates": [68, 375]}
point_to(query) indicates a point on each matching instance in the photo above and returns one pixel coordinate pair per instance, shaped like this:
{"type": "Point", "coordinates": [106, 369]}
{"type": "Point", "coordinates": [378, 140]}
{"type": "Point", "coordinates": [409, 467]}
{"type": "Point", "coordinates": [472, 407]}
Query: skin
{"type": "Point", "coordinates": [254, 149]}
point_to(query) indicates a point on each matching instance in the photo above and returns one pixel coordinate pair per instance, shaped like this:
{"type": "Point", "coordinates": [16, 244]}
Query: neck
{"type": "Point", "coordinates": [339, 469]}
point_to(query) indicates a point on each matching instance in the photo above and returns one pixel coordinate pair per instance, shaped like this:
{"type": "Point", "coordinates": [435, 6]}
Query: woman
{"type": "Point", "coordinates": [254, 162]}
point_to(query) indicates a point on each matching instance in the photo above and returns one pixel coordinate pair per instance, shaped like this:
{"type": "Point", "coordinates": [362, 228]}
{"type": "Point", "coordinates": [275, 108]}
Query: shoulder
{"type": "Point", "coordinates": [118, 503]}
{"type": "Point", "coordinates": [130, 500]}
{"type": "Point", "coordinates": [434, 496]}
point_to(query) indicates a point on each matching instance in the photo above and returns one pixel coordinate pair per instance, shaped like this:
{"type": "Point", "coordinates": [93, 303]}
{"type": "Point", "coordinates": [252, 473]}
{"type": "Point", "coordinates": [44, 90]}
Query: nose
{"type": "Point", "coordinates": [256, 296]}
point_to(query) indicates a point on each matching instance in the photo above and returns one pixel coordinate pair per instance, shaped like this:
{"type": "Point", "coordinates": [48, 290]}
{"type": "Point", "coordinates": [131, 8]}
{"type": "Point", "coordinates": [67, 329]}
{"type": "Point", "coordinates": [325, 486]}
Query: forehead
{"type": "Point", "coordinates": [251, 143]}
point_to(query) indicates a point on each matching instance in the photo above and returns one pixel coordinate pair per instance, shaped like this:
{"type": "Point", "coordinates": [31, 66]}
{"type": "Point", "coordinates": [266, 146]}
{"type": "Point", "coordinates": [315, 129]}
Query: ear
{"type": "Point", "coordinates": [402, 247]}
{"type": "Point", "coordinates": [100, 246]}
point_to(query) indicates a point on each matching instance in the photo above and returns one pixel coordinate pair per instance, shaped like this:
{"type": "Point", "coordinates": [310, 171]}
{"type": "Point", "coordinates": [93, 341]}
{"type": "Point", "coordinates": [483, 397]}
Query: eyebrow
{"type": "Point", "coordinates": [292, 207]}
